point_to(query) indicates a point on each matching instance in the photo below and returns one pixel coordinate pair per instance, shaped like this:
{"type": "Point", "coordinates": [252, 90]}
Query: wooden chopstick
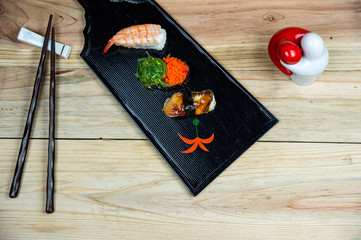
{"type": "Point", "coordinates": [51, 147]}
{"type": "Point", "coordinates": [15, 186]}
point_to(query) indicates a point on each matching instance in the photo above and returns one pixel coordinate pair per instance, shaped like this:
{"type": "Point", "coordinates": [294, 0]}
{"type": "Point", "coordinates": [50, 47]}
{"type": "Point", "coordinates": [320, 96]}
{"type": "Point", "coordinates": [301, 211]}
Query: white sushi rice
{"type": "Point", "coordinates": [212, 105]}
{"type": "Point", "coordinates": [162, 38]}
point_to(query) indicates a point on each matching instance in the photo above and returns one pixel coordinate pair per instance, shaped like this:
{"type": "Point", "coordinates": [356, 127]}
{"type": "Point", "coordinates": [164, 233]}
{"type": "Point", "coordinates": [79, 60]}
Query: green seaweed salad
{"type": "Point", "coordinates": [151, 71]}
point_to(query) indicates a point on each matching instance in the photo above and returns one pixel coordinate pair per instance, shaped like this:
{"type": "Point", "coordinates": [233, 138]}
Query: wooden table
{"type": "Point", "coordinates": [302, 180]}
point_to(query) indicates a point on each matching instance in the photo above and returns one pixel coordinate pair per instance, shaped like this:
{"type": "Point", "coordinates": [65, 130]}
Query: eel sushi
{"type": "Point", "coordinates": [194, 103]}
{"type": "Point", "coordinates": [146, 36]}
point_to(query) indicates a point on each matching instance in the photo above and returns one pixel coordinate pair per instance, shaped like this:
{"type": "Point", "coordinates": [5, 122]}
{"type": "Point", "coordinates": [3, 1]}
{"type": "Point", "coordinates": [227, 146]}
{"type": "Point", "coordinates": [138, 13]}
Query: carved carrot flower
{"type": "Point", "coordinates": [197, 141]}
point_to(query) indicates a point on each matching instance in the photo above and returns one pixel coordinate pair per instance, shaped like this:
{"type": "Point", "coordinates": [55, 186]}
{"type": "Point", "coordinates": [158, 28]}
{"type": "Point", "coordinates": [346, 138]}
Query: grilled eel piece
{"type": "Point", "coordinates": [186, 104]}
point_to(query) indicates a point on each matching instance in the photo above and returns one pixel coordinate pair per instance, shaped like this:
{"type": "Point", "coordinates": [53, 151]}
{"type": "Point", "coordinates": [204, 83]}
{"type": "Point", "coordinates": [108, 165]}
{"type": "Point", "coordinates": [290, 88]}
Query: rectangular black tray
{"type": "Point", "coordinates": [237, 122]}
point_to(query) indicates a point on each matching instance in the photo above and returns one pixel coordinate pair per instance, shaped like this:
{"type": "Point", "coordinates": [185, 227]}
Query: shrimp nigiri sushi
{"type": "Point", "coordinates": [194, 103]}
{"type": "Point", "coordinates": [147, 36]}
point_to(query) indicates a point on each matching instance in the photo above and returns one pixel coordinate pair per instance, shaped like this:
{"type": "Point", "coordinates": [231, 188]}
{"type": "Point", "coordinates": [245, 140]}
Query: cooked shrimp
{"type": "Point", "coordinates": [150, 36]}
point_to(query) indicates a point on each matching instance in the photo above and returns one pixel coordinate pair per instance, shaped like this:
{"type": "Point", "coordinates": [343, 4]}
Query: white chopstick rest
{"type": "Point", "coordinates": [37, 40]}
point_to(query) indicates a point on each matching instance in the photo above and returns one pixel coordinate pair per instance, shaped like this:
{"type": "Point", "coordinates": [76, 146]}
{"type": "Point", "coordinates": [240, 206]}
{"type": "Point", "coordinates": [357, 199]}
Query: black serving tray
{"type": "Point", "coordinates": [238, 121]}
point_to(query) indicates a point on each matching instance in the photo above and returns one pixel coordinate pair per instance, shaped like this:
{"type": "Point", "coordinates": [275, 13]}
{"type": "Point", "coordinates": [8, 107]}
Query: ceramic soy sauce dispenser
{"type": "Point", "coordinates": [299, 53]}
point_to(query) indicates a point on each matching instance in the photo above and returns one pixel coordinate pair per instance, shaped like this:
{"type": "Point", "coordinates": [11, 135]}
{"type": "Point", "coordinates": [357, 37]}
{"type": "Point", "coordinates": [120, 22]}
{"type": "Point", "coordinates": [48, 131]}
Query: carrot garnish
{"type": "Point", "coordinates": [177, 71]}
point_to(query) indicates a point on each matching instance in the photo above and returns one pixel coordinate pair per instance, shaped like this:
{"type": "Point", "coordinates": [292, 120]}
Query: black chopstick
{"type": "Point", "coordinates": [51, 147]}
{"type": "Point", "coordinates": [15, 186]}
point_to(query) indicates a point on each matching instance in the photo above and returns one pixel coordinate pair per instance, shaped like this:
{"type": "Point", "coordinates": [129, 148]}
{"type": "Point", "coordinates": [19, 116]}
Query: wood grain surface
{"type": "Point", "coordinates": [302, 180]}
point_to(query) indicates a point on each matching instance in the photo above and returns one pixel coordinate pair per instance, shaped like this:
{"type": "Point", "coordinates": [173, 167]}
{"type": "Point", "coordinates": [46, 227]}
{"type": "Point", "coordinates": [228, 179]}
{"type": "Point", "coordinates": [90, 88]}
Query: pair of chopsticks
{"type": "Point", "coordinates": [15, 186]}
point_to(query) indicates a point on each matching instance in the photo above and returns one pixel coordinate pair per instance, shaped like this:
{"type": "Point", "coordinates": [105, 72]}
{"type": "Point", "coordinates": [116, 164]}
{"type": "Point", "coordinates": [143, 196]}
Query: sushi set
{"type": "Point", "coordinates": [195, 114]}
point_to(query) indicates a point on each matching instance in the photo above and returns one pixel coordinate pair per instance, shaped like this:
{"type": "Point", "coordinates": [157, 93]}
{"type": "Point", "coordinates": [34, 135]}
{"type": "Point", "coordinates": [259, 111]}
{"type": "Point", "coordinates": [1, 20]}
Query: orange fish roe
{"type": "Point", "coordinates": [176, 71]}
